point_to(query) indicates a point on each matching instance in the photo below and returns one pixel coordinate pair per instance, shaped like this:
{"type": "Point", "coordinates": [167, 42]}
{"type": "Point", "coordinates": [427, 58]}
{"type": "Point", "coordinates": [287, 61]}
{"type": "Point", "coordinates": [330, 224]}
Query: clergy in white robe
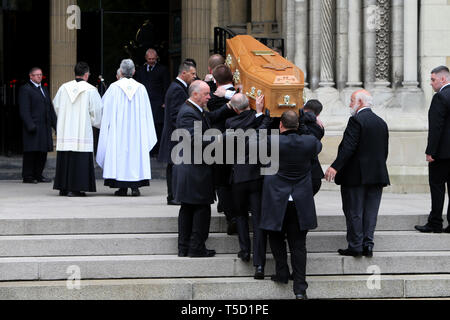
{"type": "Point", "coordinates": [127, 134]}
{"type": "Point", "coordinates": [78, 107]}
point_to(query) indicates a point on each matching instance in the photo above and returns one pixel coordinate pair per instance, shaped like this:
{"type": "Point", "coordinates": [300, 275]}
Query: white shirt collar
{"type": "Point", "coordinates": [227, 86]}
{"type": "Point", "coordinates": [182, 81]}
{"type": "Point", "coordinates": [36, 84]}
{"type": "Point", "coordinates": [448, 84]}
{"type": "Point", "coordinates": [198, 107]}
{"type": "Point", "coordinates": [362, 109]}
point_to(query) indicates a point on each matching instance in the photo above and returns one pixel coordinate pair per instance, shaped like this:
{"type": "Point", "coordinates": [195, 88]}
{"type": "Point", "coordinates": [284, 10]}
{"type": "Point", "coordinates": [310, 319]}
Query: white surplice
{"type": "Point", "coordinates": [78, 107]}
{"type": "Point", "coordinates": [127, 132]}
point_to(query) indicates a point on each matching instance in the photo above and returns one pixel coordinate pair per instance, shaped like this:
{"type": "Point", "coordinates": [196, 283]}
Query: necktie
{"type": "Point", "coordinates": [42, 91]}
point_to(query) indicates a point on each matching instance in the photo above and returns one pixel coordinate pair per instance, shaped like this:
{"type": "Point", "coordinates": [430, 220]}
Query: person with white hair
{"type": "Point", "coordinates": [127, 134]}
{"type": "Point", "coordinates": [360, 168]}
{"type": "Point", "coordinates": [438, 150]}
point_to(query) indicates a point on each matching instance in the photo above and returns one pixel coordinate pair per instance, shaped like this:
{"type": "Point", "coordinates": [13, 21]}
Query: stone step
{"type": "Point", "coordinates": [145, 244]}
{"type": "Point", "coordinates": [320, 287]}
{"type": "Point", "coordinates": [222, 265]}
{"type": "Point", "coordinates": [165, 220]}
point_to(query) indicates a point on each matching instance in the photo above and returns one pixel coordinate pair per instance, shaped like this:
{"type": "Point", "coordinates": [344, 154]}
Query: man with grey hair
{"type": "Point", "coordinates": [127, 134]}
{"type": "Point", "coordinates": [438, 149]}
{"type": "Point", "coordinates": [155, 77]}
{"type": "Point", "coordinates": [360, 168]}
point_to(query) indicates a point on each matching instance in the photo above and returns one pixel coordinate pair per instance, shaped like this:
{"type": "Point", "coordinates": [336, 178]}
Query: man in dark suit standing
{"type": "Point", "coordinates": [246, 184]}
{"type": "Point", "coordinates": [176, 96]}
{"type": "Point", "coordinates": [314, 126]}
{"type": "Point", "coordinates": [155, 77]}
{"type": "Point", "coordinates": [193, 181]}
{"type": "Point", "coordinates": [438, 149]}
{"type": "Point", "coordinates": [288, 208]}
{"type": "Point", "coordinates": [360, 168]}
{"type": "Point", "coordinates": [38, 115]}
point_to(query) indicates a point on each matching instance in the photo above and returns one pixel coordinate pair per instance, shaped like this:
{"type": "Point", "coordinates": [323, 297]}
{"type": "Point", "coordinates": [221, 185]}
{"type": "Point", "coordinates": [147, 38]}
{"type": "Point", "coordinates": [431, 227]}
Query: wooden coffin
{"type": "Point", "coordinates": [262, 71]}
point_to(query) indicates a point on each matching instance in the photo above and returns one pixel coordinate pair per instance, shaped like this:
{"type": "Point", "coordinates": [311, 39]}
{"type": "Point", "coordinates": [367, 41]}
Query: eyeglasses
{"type": "Point", "coordinates": [37, 75]}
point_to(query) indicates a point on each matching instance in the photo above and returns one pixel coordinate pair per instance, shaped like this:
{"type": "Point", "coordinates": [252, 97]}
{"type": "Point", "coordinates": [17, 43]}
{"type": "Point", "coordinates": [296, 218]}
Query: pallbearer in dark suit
{"type": "Point", "coordinates": [246, 184]}
{"type": "Point", "coordinates": [438, 149]}
{"type": "Point", "coordinates": [288, 208]}
{"type": "Point", "coordinates": [360, 169]}
{"type": "Point", "coordinates": [38, 116]}
{"type": "Point", "coordinates": [193, 182]}
{"type": "Point", "coordinates": [176, 96]}
{"type": "Point", "coordinates": [155, 77]}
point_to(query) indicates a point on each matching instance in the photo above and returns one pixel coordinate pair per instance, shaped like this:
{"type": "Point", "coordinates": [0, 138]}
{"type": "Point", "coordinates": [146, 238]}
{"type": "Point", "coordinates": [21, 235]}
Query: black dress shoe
{"type": "Point", "coordinates": [245, 256]}
{"type": "Point", "coordinates": [301, 296]}
{"type": "Point", "coordinates": [135, 192]}
{"type": "Point", "coordinates": [28, 180]}
{"type": "Point", "coordinates": [122, 192]}
{"type": "Point", "coordinates": [446, 230]}
{"type": "Point", "coordinates": [367, 252]}
{"type": "Point", "coordinates": [427, 229]}
{"type": "Point", "coordinates": [205, 254]}
{"type": "Point", "coordinates": [279, 279]}
{"type": "Point", "coordinates": [43, 179]}
{"type": "Point", "coordinates": [76, 194]}
{"type": "Point", "coordinates": [173, 203]}
{"type": "Point", "coordinates": [259, 273]}
{"type": "Point", "coordinates": [349, 252]}
{"type": "Point", "coordinates": [63, 193]}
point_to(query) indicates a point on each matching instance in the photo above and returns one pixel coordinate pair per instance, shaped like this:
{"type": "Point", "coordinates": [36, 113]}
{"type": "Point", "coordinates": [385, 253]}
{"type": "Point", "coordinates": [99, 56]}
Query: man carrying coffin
{"type": "Point", "coordinates": [78, 107]}
{"type": "Point", "coordinates": [127, 134]}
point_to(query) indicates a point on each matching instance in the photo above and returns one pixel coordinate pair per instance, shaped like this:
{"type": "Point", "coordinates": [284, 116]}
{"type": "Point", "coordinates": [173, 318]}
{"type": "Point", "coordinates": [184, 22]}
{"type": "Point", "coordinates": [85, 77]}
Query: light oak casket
{"type": "Point", "coordinates": [262, 71]}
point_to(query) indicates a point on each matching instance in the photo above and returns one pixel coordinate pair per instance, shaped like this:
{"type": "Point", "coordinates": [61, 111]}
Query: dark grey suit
{"type": "Point", "coordinates": [362, 174]}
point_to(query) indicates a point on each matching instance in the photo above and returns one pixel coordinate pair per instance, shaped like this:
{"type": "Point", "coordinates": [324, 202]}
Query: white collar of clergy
{"type": "Point", "coordinates": [129, 86]}
{"type": "Point", "coordinates": [74, 89]}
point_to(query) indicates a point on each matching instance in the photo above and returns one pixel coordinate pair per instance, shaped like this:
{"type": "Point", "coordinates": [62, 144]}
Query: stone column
{"type": "Point", "coordinates": [314, 44]}
{"type": "Point", "coordinates": [382, 62]}
{"type": "Point", "coordinates": [327, 50]}
{"type": "Point", "coordinates": [341, 43]}
{"type": "Point", "coordinates": [397, 43]}
{"type": "Point", "coordinates": [289, 29]}
{"type": "Point", "coordinates": [410, 44]}
{"type": "Point", "coordinates": [196, 36]}
{"type": "Point", "coordinates": [354, 44]}
{"type": "Point", "coordinates": [238, 12]}
{"type": "Point", "coordinates": [63, 45]}
{"type": "Point", "coordinates": [301, 35]}
{"type": "Point", "coordinates": [369, 49]}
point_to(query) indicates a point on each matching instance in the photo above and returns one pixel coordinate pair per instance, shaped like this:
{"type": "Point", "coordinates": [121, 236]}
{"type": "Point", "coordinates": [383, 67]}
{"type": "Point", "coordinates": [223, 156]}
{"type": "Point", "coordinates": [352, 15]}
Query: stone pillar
{"type": "Point", "coordinates": [327, 50]}
{"type": "Point", "coordinates": [289, 29]}
{"type": "Point", "coordinates": [382, 63]}
{"type": "Point", "coordinates": [196, 36]}
{"type": "Point", "coordinates": [301, 35]}
{"type": "Point", "coordinates": [397, 43]}
{"type": "Point", "coordinates": [314, 44]}
{"type": "Point", "coordinates": [238, 12]}
{"type": "Point", "coordinates": [369, 27]}
{"type": "Point", "coordinates": [341, 43]}
{"type": "Point", "coordinates": [63, 45]}
{"type": "Point", "coordinates": [354, 44]}
{"type": "Point", "coordinates": [410, 44]}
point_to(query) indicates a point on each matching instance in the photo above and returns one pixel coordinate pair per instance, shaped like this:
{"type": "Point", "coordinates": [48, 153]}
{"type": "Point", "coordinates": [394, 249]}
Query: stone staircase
{"type": "Point", "coordinates": [126, 248]}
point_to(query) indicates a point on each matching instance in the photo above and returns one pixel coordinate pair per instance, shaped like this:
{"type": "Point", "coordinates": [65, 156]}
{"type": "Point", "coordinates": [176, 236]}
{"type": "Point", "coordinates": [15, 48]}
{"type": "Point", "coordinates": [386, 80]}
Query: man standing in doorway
{"type": "Point", "coordinates": [438, 149]}
{"type": "Point", "coordinates": [38, 116]}
{"type": "Point", "coordinates": [155, 77]}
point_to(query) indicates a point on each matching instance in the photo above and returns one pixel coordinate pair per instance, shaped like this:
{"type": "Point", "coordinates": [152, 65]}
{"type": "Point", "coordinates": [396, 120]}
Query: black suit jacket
{"type": "Point", "coordinates": [176, 96]}
{"type": "Point", "coordinates": [193, 183]}
{"type": "Point", "coordinates": [362, 154]}
{"type": "Point", "coordinates": [439, 125]}
{"type": "Point", "coordinates": [38, 116]}
{"type": "Point", "coordinates": [246, 120]}
{"type": "Point", "coordinates": [156, 82]}
{"type": "Point", "coordinates": [293, 178]}
{"type": "Point", "coordinates": [216, 103]}
{"type": "Point", "coordinates": [310, 121]}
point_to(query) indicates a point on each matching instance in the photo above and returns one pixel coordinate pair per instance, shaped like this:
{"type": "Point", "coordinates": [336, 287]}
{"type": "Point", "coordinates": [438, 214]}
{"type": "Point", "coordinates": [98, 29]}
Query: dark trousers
{"type": "Point", "coordinates": [169, 181]}
{"type": "Point", "coordinates": [438, 176]}
{"type": "Point", "coordinates": [225, 202]}
{"type": "Point", "coordinates": [247, 195]}
{"type": "Point", "coordinates": [33, 164]}
{"type": "Point", "coordinates": [193, 227]}
{"type": "Point", "coordinates": [297, 245]}
{"type": "Point", "coordinates": [360, 205]}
